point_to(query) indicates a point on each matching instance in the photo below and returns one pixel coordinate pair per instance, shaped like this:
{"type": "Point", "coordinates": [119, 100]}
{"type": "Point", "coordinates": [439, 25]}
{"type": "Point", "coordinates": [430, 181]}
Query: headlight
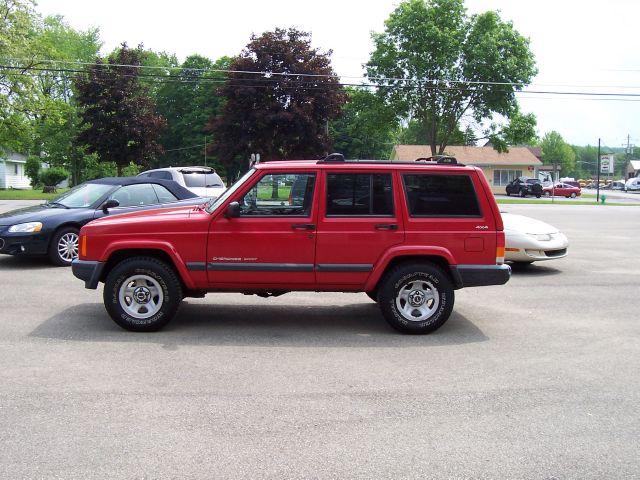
{"type": "Point", "coordinates": [29, 227]}
{"type": "Point", "coordinates": [541, 237]}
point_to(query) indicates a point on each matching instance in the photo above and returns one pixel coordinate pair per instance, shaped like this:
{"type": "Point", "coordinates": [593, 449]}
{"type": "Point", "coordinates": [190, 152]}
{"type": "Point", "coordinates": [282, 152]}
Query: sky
{"type": "Point", "coordinates": [580, 46]}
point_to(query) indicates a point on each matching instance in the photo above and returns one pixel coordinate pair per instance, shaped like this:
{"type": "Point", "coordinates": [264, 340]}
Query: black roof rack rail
{"type": "Point", "coordinates": [440, 159]}
{"type": "Point", "coordinates": [332, 158]}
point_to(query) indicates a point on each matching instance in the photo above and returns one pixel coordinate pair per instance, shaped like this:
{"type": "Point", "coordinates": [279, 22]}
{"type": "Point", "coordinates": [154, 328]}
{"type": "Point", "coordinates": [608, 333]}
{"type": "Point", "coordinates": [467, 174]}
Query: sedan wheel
{"type": "Point", "coordinates": [64, 247]}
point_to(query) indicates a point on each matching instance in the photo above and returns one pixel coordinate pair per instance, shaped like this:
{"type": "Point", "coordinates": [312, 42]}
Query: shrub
{"type": "Point", "coordinates": [32, 170]}
{"type": "Point", "coordinates": [53, 176]}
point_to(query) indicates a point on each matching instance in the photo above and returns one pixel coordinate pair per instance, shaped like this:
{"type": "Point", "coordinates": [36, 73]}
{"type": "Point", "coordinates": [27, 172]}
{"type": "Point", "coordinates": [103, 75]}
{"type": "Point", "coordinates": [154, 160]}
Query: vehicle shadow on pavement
{"type": "Point", "coordinates": [533, 270]}
{"type": "Point", "coordinates": [10, 262]}
{"type": "Point", "coordinates": [351, 325]}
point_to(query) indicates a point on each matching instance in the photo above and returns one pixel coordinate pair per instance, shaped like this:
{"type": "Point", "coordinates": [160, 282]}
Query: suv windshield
{"type": "Point", "coordinates": [215, 202]}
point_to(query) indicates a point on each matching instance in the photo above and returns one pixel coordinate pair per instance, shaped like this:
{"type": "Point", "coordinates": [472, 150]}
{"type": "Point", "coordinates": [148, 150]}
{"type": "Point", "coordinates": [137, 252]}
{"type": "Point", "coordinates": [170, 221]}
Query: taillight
{"type": "Point", "coordinates": [500, 247]}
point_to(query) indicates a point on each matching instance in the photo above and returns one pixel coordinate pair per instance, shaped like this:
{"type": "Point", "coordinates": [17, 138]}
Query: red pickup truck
{"type": "Point", "coordinates": [406, 234]}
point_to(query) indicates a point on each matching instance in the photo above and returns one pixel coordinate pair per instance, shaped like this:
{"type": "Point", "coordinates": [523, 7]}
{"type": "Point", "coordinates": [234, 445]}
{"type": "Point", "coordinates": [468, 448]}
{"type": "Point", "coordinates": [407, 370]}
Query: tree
{"type": "Point", "coordinates": [557, 153]}
{"type": "Point", "coordinates": [17, 51]}
{"type": "Point", "coordinates": [436, 65]}
{"type": "Point", "coordinates": [187, 102]}
{"type": "Point", "coordinates": [55, 114]}
{"type": "Point", "coordinates": [280, 96]}
{"type": "Point", "coordinates": [119, 121]}
{"type": "Point", "coordinates": [366, 127]}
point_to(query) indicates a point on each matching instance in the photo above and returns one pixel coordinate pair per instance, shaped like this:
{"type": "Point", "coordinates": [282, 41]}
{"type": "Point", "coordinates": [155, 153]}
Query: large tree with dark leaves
{"type": "Point", "coordinates": [280, 95]}
{"type": "Point", "coordinates": [119, 121]}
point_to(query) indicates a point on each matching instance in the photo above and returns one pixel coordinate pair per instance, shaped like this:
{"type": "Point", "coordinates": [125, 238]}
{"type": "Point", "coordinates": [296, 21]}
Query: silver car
{"type": "Point", "coordinates": [203, 181]}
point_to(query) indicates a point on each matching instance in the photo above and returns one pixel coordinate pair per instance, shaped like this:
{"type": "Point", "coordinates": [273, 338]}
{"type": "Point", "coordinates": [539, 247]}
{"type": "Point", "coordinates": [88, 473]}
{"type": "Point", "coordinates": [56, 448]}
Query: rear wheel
{"type": "Point", "coordinates": [142, 294]}
{"type": "Point", "coordinates": [416, 298]}
{"type": "Point", "coordinates": [523, 193]}
{"type": "Point", "coordinates": [63, 248]}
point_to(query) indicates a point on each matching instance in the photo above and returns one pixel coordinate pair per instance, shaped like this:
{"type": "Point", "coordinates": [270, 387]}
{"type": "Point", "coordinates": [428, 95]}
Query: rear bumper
{"type": "Point", "coordinates": [89, 271]}
{"type": "Point", "coordinates": [480, 275]}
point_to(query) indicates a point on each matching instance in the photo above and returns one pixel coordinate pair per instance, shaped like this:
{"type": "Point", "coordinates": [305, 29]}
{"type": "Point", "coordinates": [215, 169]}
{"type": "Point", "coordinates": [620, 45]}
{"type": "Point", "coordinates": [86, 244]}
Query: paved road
{"type": "Point", "coordinates": [534, 379]}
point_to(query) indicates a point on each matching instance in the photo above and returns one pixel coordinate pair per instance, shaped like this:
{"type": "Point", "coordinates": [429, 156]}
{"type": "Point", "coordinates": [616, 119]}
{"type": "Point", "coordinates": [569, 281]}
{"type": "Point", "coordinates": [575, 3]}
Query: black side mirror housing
{"type": "Point", "coordinates": [111, 203]}
{"type": "Point", "coordinates": [233, 210]}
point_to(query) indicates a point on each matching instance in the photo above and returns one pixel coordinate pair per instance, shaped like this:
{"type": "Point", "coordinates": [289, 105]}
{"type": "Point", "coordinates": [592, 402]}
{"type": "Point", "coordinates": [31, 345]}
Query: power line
{"type": "Point", "coordinates": [309, 75]}
{"type": "Point", "coordinates": [310, 84]}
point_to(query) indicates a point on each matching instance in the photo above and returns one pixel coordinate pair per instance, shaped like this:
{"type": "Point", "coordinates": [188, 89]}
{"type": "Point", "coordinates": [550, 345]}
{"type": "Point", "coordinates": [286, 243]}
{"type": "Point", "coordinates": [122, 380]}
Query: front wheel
{"type": "Point", "coordinates": [523, 193]}
{"type": "Point", "coordinates": [63, 248]}
{"type": "Point", "coordinates": [573, 195]}
{"type": "Point", "coordinates": [416, 298]}
{"type": "Point", "coordinates": [142, 294]}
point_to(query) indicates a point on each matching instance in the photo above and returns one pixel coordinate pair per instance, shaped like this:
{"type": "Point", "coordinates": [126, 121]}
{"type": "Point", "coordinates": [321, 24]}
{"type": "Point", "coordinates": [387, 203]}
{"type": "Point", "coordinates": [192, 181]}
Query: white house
{"type": "Point", "coordinates": [12, 170]}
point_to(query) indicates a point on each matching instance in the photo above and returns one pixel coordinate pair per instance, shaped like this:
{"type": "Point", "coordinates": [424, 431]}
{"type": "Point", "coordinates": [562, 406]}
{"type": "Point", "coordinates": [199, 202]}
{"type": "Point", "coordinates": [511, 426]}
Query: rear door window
{"type": "Point", "coordinates": [361, 194]}
{"type": "Point", "coordinates": [432, 195]}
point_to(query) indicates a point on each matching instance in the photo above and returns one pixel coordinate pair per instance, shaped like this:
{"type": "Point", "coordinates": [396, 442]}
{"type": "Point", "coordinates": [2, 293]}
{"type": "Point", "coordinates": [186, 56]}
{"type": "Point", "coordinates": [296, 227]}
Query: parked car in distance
{"type": "Point", "coordinates": [562, 190]}
{"type": "Point", "coordinates": [617, 185]}
{"type": "Point", "coordinates": [203, 181]}
{"type": "Point", "coordinates": [524, 186]}
{"type": "Point", "coordinates": [408, 234]}
{"type": "Point", "coordinates": [529, 240]}
{"type": "Point", "coordinates": [52, 228]}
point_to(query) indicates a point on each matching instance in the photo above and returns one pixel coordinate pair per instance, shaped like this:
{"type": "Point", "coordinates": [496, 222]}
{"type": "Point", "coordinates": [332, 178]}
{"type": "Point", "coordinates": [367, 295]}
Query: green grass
{"type": "Point", "coordinates": [549, 202]}
{"type": "Point", "coordinates": [12, 194]}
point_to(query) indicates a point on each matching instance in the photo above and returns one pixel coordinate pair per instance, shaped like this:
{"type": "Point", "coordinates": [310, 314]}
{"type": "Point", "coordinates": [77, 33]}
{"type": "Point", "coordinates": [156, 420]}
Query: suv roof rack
{"type": "Point", "coordinates": [332, 157]}
{"type": "Point", "coordinates": [446, 159]}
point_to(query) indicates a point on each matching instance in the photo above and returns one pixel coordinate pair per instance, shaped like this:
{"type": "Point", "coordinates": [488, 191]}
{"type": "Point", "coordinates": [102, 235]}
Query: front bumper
{"type": "Point", "coordinates": [89, 271]}
{"type": "Point", "coordinates": [23, 243]}
{"type": "Point", "coordinates": [480, 275]}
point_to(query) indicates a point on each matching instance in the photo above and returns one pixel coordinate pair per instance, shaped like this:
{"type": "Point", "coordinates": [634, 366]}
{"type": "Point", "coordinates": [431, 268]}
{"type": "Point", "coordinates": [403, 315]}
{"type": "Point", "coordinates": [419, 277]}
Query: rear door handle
{"type": "Point", "coordinates": [386, 226]}
{"type": "Point", "coordinates": [303, 226]}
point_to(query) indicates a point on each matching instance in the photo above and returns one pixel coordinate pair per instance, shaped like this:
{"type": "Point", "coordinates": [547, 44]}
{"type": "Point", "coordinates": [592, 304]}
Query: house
{"type": "Point", "coordinates": [12, 170]}
{"type": "Point", "coordinates": [499, 168]}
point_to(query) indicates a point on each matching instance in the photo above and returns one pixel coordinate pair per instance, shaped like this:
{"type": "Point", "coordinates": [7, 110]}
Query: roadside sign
{"type": "Point", "coordinates": [607, 163]}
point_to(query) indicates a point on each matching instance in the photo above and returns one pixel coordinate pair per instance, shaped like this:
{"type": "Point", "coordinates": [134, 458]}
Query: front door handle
{"type": "Point", "coordinates": [303, 226]}
{"type": "Point", "coordinates": [386, 226]}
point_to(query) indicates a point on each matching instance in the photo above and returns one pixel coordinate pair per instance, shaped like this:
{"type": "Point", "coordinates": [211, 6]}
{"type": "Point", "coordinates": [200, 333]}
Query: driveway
{"type": "Point", "coordinates": [534, 379]}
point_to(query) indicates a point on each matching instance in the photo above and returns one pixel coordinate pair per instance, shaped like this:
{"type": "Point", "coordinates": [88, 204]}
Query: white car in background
{"type": "Point", "coordinates": [203, 181]}
{"type": "Point", "coordinates": [529, 240]}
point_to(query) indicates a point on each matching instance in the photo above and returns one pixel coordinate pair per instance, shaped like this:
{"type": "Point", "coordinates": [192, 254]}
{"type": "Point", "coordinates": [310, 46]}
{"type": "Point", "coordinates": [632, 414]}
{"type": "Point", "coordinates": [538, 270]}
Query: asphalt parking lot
{"type": "Point", "coordinates": [534, 379]}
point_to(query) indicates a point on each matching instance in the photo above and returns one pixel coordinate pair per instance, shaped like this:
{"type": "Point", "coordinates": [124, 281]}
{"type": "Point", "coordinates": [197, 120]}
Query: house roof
{"type": "Point", "coordinates": [635, 164]}
{"type": "Point", "coordinates": [516, 156]}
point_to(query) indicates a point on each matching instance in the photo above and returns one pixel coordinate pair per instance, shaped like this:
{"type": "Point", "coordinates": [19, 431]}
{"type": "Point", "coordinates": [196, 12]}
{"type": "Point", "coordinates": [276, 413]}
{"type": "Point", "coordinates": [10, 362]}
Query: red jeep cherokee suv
{"type": "Point", "coordinates": [406, 234]}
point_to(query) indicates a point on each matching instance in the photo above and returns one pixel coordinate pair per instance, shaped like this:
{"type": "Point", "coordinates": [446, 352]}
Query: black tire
{"type": "Point", "coordinates": [508, 194]}
{"type": "Point", "coordinates": [416, 298]}
{"type": "Point", "coordinates": [573, 195]}
{"type": "Point", "coordinates": [523, 193]}
{"type": "Point", "coordinates": [63, 248]}
{"type": "Point", "coordinates": [142, 294]}
{"type": "Point", "coordinates": [547, 193]}
{"type": "Point", "coordinates": [538, 196]}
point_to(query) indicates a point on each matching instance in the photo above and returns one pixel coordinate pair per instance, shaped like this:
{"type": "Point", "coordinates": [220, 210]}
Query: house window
{"type": "Point", "coordinates": [16, 169]}
{"type": "Point", "coordinates": [503, 177]}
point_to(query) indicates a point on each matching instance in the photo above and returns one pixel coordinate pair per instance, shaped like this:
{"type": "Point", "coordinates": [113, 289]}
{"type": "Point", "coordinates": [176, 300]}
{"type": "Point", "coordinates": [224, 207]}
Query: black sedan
{"type": "Point", "coordinates": [52, 228]}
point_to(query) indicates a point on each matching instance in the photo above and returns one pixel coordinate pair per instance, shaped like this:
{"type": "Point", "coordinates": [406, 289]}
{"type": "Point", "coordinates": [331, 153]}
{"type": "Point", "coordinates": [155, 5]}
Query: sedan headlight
{"type": "Point", "coordinates": [29, 227]}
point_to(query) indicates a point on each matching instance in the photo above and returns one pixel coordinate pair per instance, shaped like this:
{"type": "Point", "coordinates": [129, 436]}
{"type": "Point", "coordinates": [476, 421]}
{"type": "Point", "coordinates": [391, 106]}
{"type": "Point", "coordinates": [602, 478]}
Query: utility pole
{"type": "Point", "coordinates": [628, 150]}
{"type": "Point", "coordinates": [598, 180]}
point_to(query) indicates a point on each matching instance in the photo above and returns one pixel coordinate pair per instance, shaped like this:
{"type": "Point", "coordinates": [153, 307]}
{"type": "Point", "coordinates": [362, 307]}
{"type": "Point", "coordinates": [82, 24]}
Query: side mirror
{"type": "Point", "coordinates": [111, 203]}
{"type": "Point", "coordinates": [233, 210]}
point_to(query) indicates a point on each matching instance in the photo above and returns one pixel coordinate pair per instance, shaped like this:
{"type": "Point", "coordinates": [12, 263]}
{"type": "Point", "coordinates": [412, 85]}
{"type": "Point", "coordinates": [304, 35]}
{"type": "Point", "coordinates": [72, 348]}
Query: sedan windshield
{"type": "Point", "coordinates": [82, 196]}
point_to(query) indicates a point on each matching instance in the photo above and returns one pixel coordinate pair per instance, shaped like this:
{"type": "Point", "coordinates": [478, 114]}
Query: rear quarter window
{"type": "Point", "coordinates": [441, 195]}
